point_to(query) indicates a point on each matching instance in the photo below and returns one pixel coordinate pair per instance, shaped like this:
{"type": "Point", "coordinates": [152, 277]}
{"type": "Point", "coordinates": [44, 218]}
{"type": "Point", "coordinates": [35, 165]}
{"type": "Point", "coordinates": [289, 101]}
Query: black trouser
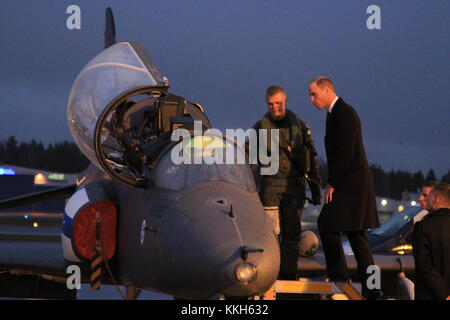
{"type": "Point", "coordinates": [291, 229]}
{"type": "Point", "coordinates": [335, 257]}
{"type": "Point", "coordinates": [288, 196]}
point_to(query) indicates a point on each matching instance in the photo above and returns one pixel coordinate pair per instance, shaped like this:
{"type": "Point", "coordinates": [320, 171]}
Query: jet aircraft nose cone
{"type": "Point", "coordinates": [215, 221]}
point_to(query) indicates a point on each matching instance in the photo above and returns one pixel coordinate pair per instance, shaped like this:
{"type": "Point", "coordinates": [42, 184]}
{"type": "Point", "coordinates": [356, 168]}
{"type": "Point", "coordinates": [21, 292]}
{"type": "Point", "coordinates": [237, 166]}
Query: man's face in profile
{"type": "Point", "coordinates": [319, 97]}
{"type": "Point", "coordinates": [423, 197]}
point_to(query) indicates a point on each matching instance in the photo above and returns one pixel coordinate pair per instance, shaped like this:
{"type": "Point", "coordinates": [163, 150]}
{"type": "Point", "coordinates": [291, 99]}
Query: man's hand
{"type": "Point", "coordinates": [329, 194]}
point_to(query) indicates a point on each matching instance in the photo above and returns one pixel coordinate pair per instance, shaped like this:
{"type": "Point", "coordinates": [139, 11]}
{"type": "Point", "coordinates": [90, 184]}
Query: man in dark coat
{"type": "Point", "coordinates": [431, 247]}
{"type": "Point", "coordinates": [350, 205]}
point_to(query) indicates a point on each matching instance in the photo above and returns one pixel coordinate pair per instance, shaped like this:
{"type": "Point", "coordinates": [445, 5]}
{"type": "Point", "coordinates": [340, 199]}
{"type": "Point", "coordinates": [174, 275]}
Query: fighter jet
{"type": "Point", "coordinates": [136, 218]}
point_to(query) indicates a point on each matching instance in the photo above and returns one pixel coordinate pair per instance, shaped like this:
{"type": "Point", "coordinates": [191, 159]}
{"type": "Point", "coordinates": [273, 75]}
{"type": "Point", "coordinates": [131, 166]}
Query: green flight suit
{"type": "Point", "coordinates": [286, 188]}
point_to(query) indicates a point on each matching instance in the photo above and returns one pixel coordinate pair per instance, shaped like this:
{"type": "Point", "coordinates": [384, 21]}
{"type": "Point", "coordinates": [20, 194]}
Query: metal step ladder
{"type": "Point", "coordinates": [337, 290]}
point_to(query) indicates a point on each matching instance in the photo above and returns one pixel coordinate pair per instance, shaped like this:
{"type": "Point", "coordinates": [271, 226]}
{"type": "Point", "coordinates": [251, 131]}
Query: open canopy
{"type": "Point", "coordinates": [112, 73]}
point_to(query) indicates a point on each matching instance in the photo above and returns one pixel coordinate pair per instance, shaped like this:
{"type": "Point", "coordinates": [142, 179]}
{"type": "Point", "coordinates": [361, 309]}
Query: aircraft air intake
{"type": "Point", "coordinates": [90, 215]}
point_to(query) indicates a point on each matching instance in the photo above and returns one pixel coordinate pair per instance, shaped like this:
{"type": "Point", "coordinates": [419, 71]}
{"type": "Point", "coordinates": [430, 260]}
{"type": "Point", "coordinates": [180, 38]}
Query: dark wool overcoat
{"type": "Point", "coordinates": [431, 249]}
{"type": "Point", "coordinates": [353, 207]}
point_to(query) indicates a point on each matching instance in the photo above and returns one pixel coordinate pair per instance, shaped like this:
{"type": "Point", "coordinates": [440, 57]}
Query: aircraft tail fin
{"type": "Point", "coordinates": [110, 28]}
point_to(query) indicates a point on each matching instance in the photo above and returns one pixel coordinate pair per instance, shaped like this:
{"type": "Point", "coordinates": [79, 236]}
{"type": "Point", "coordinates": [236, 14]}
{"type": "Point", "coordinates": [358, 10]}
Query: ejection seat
{"type": "Point", "coordinates": [133, 133]}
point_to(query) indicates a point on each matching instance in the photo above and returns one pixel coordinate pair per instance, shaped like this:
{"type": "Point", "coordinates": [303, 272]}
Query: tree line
{"type": "Point", "coordinates": [65, 157]}
{"type": "Point", "coordinates": [394, 183]}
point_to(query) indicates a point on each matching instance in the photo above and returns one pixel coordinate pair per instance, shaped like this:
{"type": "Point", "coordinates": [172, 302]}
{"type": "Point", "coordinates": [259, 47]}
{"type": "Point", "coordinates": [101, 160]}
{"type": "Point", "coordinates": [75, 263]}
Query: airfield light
{"type": "Point", "coordinates": [402, 249]}
{"type": "Point", "coordinates": [40, 179]}
{"type": "Point", "coordinates": [35, 224]}
{"type": "Point", "coordinates": [384, 202]}
{"type": "Point", "coordinates": [401, 208]}
{"type": "Point", "coordinates": [7, 171]}
{"type": "Point", "coordinates": [413, 203]}
{"type": "Point", "coordinates": [56, 176]}
{"type": "Point", "coordinates": [245, 272]}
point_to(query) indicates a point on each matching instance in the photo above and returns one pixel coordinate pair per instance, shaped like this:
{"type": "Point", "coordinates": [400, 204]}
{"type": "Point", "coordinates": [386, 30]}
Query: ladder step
{"type": "Point", "coordinates": [303, 287]}
{"type": "Point", "coordinates": [349, 290]}
{"type": "Point", "coordinates": [339, 290]}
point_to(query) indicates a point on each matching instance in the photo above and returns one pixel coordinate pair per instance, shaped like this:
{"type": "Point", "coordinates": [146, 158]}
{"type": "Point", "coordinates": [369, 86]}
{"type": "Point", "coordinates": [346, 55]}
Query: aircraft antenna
{"type": "Point", "coordinates": [110, 28]}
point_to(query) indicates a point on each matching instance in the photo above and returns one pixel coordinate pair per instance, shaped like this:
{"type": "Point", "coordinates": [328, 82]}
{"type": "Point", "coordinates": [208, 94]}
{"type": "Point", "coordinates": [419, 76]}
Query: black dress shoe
{"type": "Point", "coordinates": [374, 294]}
{"type": "Point", "coordinates": [287, 276]}
{"type": "Point", "coordinates": [339, 280]}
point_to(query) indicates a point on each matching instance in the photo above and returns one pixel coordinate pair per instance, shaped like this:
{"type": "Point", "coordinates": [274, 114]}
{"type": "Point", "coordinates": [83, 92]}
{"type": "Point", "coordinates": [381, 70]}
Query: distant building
{"type": "Point", "coordinates": [16, 181]}
{"type": "Point", "coordinates": [406, 196]}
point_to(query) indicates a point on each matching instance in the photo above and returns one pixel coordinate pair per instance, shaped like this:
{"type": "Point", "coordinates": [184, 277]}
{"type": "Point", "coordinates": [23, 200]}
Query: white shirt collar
{"type": "Point", "coordinates": [332, 104]}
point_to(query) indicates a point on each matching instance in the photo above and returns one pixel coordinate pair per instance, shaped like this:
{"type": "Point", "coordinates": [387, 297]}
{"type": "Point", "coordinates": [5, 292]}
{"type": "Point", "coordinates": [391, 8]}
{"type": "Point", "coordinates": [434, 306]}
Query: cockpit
{"type": "Point", "coordinates": [131, 135]}
{"type": "Point", "coordinates": [171, 174]}
{"type": "Point", "coordinates": [121, 115]}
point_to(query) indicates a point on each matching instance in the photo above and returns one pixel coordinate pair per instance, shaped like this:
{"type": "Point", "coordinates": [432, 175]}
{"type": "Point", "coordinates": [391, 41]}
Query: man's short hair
{"type": "Point", "coordinates": [273, 90]}
{"type": "Point", "coordinates": [322, 82]}
{"type": "Point", "coordinates": [441, 189]}
{"type": "Point", "coordinates": [429, 183]}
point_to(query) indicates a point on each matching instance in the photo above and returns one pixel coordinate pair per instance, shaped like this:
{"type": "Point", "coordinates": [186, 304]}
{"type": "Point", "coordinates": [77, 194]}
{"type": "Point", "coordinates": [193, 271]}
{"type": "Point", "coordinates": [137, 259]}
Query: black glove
{"type": "Point", "coordinates": [316, 193]}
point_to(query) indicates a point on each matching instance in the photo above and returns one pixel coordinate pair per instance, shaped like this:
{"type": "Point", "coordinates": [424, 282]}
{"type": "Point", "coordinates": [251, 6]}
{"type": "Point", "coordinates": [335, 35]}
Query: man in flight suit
{"type": "Point", "coordinates": [286, 188]}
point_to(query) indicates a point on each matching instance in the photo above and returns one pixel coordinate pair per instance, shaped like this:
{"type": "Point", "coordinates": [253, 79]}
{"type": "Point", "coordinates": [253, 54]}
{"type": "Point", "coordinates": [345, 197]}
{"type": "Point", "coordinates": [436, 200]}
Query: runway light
{"type": "Point", "coordinates": [35, 224]}
{"type": "Point", "coordinates": [413, 203]}
{"type": "Point", "coordinates": [402, 249]}
{"type": "Point", "coordinates": [56, 176]}
{"type": "Point", "coordinates": [26, 216]}
{"type": "Point", "coordinates": [401, 208]}
{"type": "Point", "coordinates": [7, 171]}
{"type": "Point", "coordinates": [40, 179]}
{"type": "Point", "coordinates": [384, 202]}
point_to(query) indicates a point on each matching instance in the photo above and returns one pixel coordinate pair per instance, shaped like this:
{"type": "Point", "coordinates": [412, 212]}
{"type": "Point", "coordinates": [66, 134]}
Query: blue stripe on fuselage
{"type": "Point", "coordinates": [67, 226]}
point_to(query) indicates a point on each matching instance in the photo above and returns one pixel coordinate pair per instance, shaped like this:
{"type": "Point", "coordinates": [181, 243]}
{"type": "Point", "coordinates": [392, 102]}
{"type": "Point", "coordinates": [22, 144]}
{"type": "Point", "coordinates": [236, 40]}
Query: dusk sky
{"type": "Point", "coordinates": [224, 54]}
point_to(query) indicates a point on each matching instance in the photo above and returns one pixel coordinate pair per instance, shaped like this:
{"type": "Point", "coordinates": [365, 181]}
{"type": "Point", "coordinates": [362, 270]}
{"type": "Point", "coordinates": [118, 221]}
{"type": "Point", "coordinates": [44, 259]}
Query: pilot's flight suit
{"type": "Point", "coordinates": [286, 188]}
